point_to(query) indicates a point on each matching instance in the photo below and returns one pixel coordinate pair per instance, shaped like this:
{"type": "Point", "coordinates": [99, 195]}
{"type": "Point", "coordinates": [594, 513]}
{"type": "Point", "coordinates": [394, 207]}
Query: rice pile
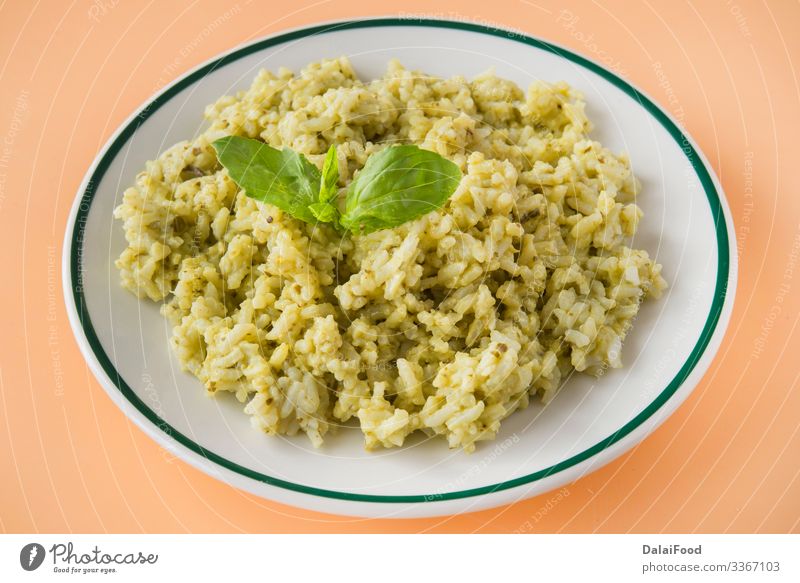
{"type": "Point", "coordinates": [446, 324]}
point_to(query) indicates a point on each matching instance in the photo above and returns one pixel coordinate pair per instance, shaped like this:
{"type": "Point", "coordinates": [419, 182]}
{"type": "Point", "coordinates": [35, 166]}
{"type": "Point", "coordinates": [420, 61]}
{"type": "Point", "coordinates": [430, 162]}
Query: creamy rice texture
{"type": "Point", "coordinates": [446, 324]}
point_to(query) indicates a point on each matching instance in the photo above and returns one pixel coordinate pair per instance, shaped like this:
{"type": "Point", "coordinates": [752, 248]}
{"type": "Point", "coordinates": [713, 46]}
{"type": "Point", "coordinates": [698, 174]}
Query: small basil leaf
{"type": "Point", "coordinates": [397, 185]}
{"type": "Point", "coordinates": [283, 178]}
{"type": "Point", "coordinates": [330, 176]}
{"type": "Point", "coordinates": [324, 212]}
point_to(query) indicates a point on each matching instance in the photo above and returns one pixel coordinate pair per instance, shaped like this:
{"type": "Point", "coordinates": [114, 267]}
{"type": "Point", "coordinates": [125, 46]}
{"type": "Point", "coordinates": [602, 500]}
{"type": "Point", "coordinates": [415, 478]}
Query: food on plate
{"type": "Point", "coordinates": [407, 254]}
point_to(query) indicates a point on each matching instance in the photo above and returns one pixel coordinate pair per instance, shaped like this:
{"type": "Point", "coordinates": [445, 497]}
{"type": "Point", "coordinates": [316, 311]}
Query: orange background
{"type": "Point", "coordinates": [728, 460]}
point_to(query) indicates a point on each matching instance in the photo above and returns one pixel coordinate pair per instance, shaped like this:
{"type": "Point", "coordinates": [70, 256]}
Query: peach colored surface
{"type": "Point", "coordinates": [728, 460]}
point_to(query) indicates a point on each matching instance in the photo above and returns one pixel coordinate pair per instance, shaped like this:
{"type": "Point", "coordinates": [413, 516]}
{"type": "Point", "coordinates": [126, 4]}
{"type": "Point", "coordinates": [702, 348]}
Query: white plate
{"type": "Point", "coordinates": [687, 227]}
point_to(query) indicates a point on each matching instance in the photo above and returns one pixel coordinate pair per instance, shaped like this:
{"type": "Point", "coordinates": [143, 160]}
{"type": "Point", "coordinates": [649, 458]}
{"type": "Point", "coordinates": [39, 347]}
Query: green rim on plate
{"type": "Point", "coordinates": [720, 291]}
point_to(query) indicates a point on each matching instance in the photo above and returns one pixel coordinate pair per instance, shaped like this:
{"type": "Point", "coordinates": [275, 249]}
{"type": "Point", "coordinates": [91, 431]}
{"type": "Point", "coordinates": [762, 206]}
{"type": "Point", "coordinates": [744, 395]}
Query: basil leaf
{"type": "Point", "coordinates": [283, 178]}
{"type": "Point", "coordinates": [397, 185]}
{"type": "Point", "coordinates": [330, 176]}
{"type": "Point", "coordinates": [324, 212]}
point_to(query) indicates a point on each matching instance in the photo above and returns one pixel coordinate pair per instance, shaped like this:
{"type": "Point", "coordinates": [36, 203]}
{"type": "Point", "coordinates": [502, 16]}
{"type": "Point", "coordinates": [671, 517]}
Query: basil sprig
{"type": "Point", "coordinates": [396, 185]}
{"type": "Point", "coordinates": [325, 210]}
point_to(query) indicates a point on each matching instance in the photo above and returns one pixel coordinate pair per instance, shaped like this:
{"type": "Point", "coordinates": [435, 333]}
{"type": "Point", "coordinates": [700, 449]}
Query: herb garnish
{"type": "Point", "coordinates": [396, 185]}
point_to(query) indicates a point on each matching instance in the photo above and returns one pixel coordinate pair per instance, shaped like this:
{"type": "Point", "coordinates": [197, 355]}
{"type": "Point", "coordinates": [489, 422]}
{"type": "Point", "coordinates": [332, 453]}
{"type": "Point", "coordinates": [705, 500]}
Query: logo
{"type": "Point", "coordinates": [31, 556]}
